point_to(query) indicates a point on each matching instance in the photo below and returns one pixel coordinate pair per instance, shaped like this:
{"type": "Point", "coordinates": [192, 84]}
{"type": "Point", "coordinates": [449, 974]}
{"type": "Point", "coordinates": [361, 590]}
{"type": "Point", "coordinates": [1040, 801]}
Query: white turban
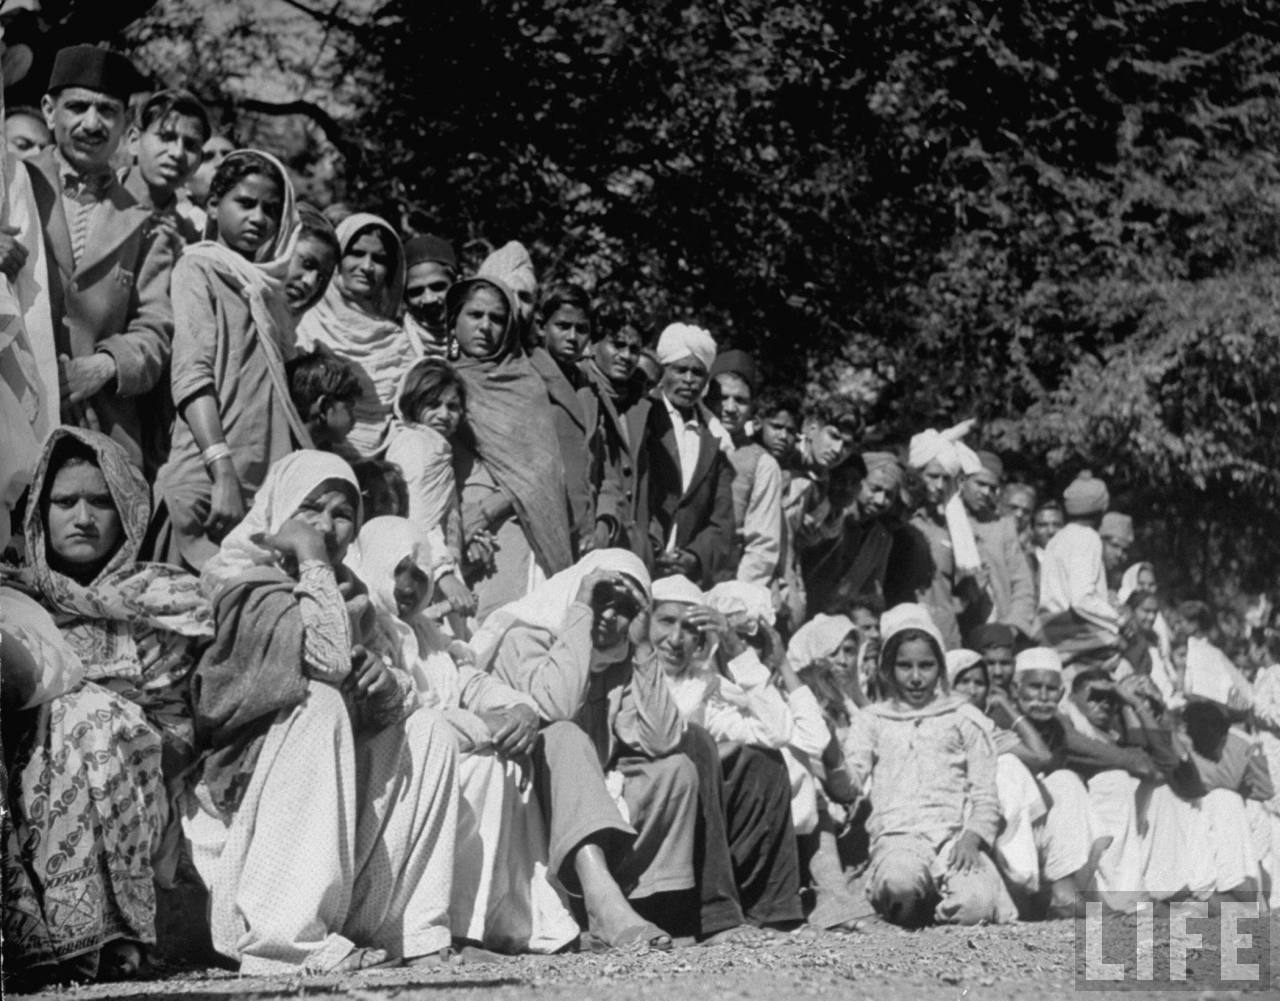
{"type": "Point", "coordinates": [954, 456]}
{"type": "Point", "coordinates": [680, 340]}
{"type": "Point", "coordinates": [942, 447]}
{"type": "Point", "coordinates": [1038, 658]}
{"type": "Point", "coordinates": [968, 459]}
{"type": "Point", "coordinates": [752, 602]}
{"type": "Point", "coordinates": [677, 588]}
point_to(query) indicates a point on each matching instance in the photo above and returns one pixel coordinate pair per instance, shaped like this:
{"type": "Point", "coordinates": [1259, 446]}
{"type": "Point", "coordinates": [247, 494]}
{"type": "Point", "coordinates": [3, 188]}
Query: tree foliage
{"type": "Point", "coordinates": [1059, 216]}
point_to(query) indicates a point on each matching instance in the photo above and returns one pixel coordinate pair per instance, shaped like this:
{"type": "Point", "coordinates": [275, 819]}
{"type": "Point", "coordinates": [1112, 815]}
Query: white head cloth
{"type": "Point", "coordinates": [940, 447]}
{"type": "Point", "coordinates": [906, 616]}
{"type": "Point", "coordinates": [959, 661]}
{"type": "Point", "coordinates": [546, 606]}
{"type": "Point", "coordinates": [752, 602]}
{"type": "Point", "coordinates": [1038, 658]}
{"type": "Point", "coordinates": [818, 638]}
{"type": "Point", "coordinates": [677, 588]}
{"type": "Point", "coordinates": [682, 340]}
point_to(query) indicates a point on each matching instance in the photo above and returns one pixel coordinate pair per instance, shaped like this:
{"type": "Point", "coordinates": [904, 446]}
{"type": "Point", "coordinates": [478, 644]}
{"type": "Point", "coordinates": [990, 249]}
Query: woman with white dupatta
{"type": "Point", "coordinates": [502, 897]}
{"type": "Point", "coordinates": [324, 814]}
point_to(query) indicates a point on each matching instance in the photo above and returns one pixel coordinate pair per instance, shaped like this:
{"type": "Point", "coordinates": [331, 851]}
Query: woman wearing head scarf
{"type": "Point", "coordinates": [324, 815]}
{"type": "Point", "coordinates": [232, 334]}
{"type": "Point", "coordinates": [1142, 577]}
{"type": "Point", "coordinates": [356, 320]}
{"type": "Point", "coordinates": [621, 803]}
{"type": "Point", "coordinates": [507, 457]}
{"type": "Point", "coordinates": [832, 640]}
{"type": "Point", "coordinates": [135, 626]}
{"type": "Point", "coordinates": [935, 812]}
{"type": "Point", "coordinates": [512, 268]}
{"type": "Point", "coordinates": [501, 896]}
{"type": "Point", "coordinates": [82, 796]}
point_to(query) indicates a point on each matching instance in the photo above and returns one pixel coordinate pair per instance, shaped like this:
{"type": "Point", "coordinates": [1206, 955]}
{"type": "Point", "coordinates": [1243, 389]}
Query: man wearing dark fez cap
{"type": "Point", "coordinates": [108, 261]}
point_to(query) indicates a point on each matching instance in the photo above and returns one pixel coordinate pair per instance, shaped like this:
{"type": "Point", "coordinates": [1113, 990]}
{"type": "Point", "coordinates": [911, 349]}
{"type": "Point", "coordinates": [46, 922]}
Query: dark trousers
{"type": "Point", "coordinates": [745, 853]}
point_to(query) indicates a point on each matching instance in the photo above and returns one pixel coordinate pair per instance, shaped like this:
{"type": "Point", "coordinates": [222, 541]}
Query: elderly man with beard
{"type": "Point", "coordinates": [102, 338]}
{"type": "Point", "coordinates": [1008, 574]}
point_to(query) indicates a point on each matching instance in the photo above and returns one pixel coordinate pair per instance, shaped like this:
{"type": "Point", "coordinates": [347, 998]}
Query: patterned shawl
{"type": "Point", "coordinates": [104, 620]}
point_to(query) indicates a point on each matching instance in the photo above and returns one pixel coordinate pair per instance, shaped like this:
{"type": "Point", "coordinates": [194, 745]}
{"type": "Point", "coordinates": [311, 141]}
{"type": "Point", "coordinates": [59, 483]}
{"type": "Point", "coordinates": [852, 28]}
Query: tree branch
{"type": "Point", "coordinates": [308, 109]}
{"type": "Point", "coordinates": [328, 18]}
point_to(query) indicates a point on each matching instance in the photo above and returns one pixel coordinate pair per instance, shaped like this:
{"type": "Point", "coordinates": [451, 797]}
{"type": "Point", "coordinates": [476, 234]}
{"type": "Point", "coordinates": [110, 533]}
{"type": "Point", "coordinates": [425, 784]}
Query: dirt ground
{"type": "Point", "coordinates": [1025, 961]}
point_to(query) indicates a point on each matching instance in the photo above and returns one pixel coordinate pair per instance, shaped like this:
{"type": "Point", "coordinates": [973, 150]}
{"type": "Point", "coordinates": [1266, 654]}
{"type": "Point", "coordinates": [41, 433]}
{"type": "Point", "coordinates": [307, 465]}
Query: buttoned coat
{"type": "Point", "coordinates": [703, 514]}
{"type": "Point", "coordinates": [115, 300]}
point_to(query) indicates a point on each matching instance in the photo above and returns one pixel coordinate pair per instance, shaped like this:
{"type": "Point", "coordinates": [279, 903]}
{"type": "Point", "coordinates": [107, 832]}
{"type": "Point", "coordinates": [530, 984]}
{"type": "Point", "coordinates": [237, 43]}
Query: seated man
{"type": "Point", "coordinates": [102, 337]}
{"type": "Point", "coordinates": [1090, 783]}
{"type": "Point", "coordinates": [606, 711]}
{"type": "Point", "coordinates": [1233, 769]}
{"type": "Point", "coordinates": [1132, 753]}
{"type": "Point", "coordinates": [1065, 836]}
{"type": "Point", "coordinates": [691, 516]}
{"type": "Point", "coordinates": [738, 722]}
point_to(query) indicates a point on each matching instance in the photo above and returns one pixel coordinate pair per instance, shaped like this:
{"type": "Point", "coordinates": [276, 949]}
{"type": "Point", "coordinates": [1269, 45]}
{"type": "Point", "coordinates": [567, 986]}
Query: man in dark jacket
{"type": "Point", "coordinates": [108, 261]}
{"type": "Point", "coordinates": [691, 493]}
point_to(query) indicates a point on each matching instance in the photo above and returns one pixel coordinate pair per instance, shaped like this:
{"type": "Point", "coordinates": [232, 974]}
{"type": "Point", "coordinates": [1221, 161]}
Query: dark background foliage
{"type": "Point", "coordinates": [1059, 216]}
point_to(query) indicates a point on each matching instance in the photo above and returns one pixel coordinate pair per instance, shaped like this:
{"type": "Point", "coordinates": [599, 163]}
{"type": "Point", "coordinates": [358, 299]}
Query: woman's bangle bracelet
{"type": "Point", "coordinates": [215, 453]}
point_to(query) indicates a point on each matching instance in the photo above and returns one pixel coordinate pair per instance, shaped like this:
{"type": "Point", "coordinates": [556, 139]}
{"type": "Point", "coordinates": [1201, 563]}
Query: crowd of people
{"type": "Point", "coordinates": [412, 611]}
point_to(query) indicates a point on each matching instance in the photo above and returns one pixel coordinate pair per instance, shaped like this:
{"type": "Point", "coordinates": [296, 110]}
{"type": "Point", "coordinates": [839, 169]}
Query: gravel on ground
{"type": "Point", "coordinates": [880, 963]}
